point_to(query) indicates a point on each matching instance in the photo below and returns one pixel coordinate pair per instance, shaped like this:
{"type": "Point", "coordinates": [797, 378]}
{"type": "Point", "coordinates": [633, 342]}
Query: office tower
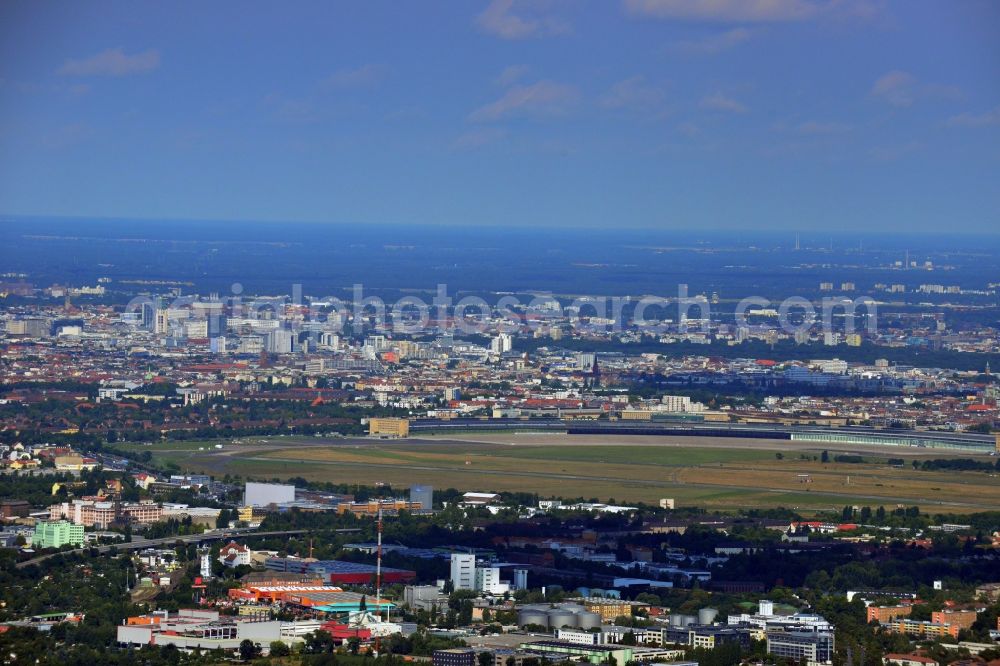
{"type": "Point", "coordinates": [463, 571]}
{"type": "Point", "coordinates": [424, 495]}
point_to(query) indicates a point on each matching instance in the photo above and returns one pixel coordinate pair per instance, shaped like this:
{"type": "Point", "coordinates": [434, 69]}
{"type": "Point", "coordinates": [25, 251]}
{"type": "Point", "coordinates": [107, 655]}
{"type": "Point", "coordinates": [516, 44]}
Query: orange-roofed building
{"type": "Point", "coordinates": [138, 620]}
{"type": "Point", "coordinates": [908, 660]}
{"type": "Point", "coordinates": [273, 593]}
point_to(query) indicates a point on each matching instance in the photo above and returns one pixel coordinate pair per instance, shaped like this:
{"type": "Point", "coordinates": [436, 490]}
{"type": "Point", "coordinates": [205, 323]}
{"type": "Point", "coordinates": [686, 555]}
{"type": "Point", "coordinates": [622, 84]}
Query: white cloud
{"type": "Point", "coordinates": [726, 10]}
{"type": "Point", "coordinates": [512, 74]}
{"type": "Point", "coordinates": [712, 44]}
{"type": "Point", "coordinates": [991, 117]}
{"type": "Point", "coordinates": [902, 89]}
{"type": "Point", "coordinates": [897, 88]}
{"type": "Point", "coordinates": [500, 20]}
{"type": "Point", "coordinates": [719, 102]}
{"type": "Point", "coordinates": [633, 93]}
{"type": "Point", "coordinates": [541, 99]}
{"type": "Point", "coordinates": [112, 62]}
{"type": "Point", "coordinates": [355, 77]}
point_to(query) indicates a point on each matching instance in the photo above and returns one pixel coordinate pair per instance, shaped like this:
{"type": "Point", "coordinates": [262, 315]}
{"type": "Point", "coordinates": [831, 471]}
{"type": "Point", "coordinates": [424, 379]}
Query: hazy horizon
{"type": "Point", "coordinates": [796, 115]}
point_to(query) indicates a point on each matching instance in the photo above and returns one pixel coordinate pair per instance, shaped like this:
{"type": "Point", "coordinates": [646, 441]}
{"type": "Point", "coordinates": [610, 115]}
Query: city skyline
{"type": "Point", "coordinates": [792, 115]}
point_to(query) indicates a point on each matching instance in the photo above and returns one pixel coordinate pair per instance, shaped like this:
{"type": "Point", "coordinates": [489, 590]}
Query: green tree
{"type": "Point", "coordinates": [248, 649]}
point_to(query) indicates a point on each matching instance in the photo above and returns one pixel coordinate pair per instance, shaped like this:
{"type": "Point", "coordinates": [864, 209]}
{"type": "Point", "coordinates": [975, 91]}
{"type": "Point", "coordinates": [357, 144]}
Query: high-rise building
{"type": "Point", "coordinates": [279, 341]}
{"type": "Point", "coordinates": [463, 571]}
{"type": "Point", "coordinates": [148, 316]}
{"type": "Point", "coordinates": [424, 495]}
{"type": "Point", "coordinates": [501, 344]}
{"type": "Point", "coordinates": [376, 342]}
{"type": "Point", "coordinates": [216, 325]}
{"type": "Point", "coordinates": [196, 328]}
{"type": "Point", "coordinates": [161, 322]}
{"type": "Point", "coordinates": [520, 579]}
{"type": "Point", "coordinates": [488, 580]}
{"type": "Point", "coordinates": [206, 565]}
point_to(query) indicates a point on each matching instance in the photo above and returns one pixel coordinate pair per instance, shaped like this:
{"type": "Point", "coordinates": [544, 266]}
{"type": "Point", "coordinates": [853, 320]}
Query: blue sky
{"type": "Point", "coordinates": [786, 114]}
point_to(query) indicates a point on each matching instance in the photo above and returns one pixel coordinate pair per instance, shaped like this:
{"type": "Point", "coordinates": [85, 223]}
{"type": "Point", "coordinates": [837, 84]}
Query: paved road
{"type": "Point", "coordinates": [140, 544]}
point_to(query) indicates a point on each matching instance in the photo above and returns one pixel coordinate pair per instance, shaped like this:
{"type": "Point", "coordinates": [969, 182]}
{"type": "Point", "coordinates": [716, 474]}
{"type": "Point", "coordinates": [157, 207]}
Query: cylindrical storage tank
{"type": "Point", "coordinates": [676, 620]}
{"type": "Point", "coordinates": [559, 618]}
{"type": "Point", "coordinates": [588, 620]}
{"type": "Point", "coordinates": [533, 616]}
{"type": "Point", "coordinates": [707, 615]}
{"type": "Point", "coordinates": [688, 620]}
{"type": "Point", "coordinates": [573, 608]}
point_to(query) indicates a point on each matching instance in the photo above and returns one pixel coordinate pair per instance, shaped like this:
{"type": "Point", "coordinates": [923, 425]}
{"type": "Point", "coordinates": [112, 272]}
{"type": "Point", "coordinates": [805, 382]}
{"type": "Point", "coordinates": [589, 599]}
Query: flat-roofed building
{"type": "Point", "coordinates": [923, 628]}
{"type": "Point", "coordinates": [14, 508]}
{"type": "Point", "coordinates": [263, 494]}
{"type": "Point", "coordinates": [894, 659]}
{"type": "Point", "coordinates": [454, 657]}
{"type": "Point", "coordinates": [811, 647]}
{"type": "Point", "coordinates": [389, 427]}
{"type": "Point", "coordinates": [963, 619]}
{"type": "Point", "coordinates": [56, 534]}
{"type": "Point", "coordinates": [883, 614]}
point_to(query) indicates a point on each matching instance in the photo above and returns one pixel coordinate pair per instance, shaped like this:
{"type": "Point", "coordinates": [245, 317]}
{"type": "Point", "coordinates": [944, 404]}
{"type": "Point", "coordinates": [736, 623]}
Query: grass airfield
{"type": "Point", "coordinates": [716, 473]}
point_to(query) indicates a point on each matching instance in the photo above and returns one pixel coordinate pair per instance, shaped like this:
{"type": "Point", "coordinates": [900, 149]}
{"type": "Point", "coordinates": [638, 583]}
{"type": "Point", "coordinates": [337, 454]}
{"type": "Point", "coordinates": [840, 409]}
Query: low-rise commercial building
{"type": "Point", "coordinates": [454, 657]}
{"type": "Point", "coordinates": [811, 647]}
{"type": "Point", "coordinates": [706, 636]}
{"type": "Point", "coordinates": [337, 571]}
{"type": "Point", "coordinates": [200, 629]}
{"type": "Point", "coordinates": [600, 654]}
{"type": "Point", "coordinates": [894, 659]}
{"type": "Point", "coordinates": [389, 427]}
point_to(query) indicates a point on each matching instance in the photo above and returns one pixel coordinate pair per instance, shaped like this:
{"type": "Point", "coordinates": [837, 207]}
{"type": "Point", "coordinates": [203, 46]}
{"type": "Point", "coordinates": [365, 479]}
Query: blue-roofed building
{"type": "Point", "coordinates": [338, 571]}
